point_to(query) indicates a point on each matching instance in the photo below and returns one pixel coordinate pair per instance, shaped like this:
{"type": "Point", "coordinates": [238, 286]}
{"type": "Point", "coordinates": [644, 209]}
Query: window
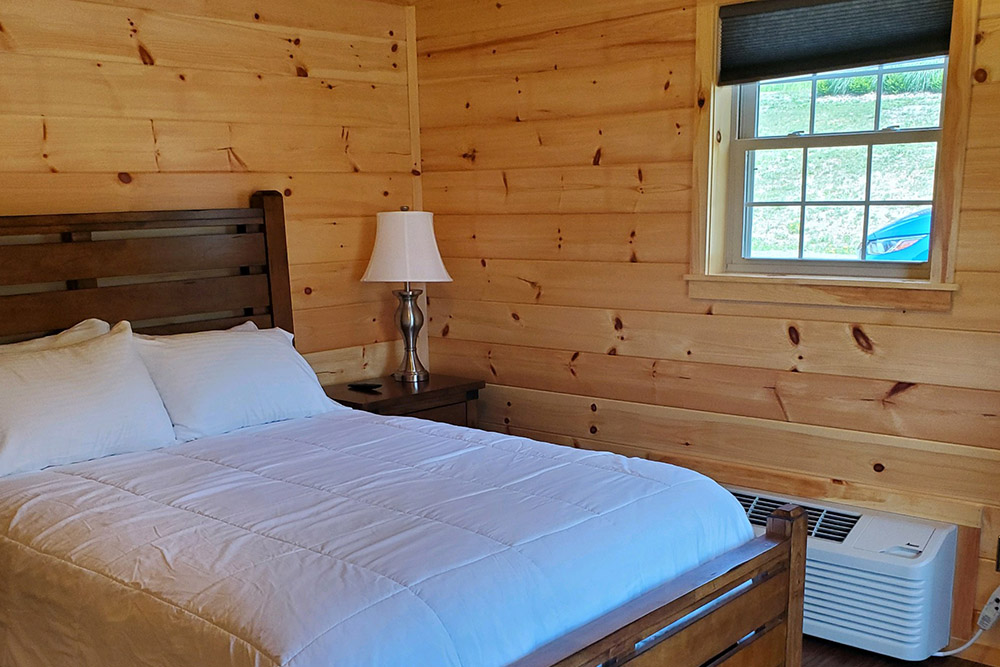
{"type": "Point", "coordinates": [833, 173]}
{"type": "Point", "coordinates": [829, 151]}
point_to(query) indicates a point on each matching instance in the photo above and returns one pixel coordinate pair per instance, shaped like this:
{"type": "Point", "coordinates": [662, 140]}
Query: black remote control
{"type": "Point", "coordinates": [366, 387]}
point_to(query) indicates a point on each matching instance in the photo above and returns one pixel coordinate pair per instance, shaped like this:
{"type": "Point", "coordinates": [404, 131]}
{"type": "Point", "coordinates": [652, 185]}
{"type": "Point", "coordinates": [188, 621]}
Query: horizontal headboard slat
{"type": "Point", "coordinates": [51, 262]}
{"type": "Point", "coordinates": [43, 224]}
{"type": "Point", "coordinates": [47, 311]}
{"type": "Point", "coordinates": [106, 225]}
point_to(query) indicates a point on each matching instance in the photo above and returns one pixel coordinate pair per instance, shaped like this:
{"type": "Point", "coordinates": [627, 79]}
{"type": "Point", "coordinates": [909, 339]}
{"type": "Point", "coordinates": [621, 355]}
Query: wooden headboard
{"type": "Point", "coordinates": [165, 271]}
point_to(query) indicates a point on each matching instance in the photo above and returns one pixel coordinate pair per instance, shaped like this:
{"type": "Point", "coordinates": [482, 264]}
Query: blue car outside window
{"type": "Point", "coordinates": [905, 240]}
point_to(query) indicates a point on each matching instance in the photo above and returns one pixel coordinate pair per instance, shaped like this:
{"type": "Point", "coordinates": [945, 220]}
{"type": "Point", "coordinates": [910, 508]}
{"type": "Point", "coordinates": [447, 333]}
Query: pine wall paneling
{"type": "Point", "coordinates": [145, 104]}
{"type": "Point", "coordinates": [557, 142]}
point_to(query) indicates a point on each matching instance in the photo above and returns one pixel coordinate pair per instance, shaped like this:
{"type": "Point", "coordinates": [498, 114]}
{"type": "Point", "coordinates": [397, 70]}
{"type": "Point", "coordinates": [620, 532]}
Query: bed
{"type": "Point", "coordinates": [345, 537]}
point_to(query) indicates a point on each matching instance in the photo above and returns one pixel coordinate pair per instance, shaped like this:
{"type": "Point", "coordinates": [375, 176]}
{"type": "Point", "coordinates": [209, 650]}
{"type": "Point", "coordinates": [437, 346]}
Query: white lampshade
{"type": "Point", "coordinates": [406, 250]}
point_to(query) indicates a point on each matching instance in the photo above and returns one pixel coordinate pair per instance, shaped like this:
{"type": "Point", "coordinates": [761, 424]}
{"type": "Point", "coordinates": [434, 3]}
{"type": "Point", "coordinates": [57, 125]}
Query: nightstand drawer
{"type": "Point", "coordinates": [449, 414]}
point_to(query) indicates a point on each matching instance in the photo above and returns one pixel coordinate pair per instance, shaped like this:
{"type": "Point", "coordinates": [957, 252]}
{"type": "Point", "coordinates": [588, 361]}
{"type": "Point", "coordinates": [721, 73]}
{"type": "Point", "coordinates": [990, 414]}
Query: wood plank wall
{"type": "Point", "coordinates": [557, 146]}
{"type": "Point", "coordinates": [144, 104]}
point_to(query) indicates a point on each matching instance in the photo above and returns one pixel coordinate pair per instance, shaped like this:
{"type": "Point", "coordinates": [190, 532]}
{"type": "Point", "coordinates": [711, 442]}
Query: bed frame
{"type": "Point", "coordinates": [758, 624]}
{"type": "Point", "coordinates": [193, 270]}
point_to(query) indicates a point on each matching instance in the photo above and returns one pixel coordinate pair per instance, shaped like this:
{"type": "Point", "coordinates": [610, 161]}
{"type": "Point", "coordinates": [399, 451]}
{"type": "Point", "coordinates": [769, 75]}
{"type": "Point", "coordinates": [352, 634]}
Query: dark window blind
{"type": "Point", "coordinates": [776, 38]}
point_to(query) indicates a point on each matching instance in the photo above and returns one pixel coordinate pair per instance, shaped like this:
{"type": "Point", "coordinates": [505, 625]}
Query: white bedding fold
{"type": "Point", "coordinates": [344, 539]}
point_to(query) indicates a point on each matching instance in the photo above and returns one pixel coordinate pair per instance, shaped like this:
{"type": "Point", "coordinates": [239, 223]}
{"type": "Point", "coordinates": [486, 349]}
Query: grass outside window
{"type": "Point", "coordinates": [826, 161]}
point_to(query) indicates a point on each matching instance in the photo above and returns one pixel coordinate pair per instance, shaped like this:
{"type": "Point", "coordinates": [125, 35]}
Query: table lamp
{"type": "Point", "coordinates": [406, 252]}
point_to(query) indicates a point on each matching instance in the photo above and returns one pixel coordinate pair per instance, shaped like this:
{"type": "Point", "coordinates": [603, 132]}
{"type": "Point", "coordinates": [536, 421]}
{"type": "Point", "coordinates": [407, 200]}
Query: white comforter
{"type": "Point", "coordinates": [346, 539]}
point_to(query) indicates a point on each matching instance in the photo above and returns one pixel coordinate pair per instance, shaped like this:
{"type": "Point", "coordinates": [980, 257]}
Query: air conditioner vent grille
{"type": "Point", "coordinates": [825, 524]}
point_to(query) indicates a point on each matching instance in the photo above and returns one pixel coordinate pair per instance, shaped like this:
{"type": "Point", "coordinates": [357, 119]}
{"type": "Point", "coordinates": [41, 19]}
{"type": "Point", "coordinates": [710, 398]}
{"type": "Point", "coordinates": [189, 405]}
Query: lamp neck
{"type": "Point", "coordinates": [407, 286]}
{"type": "Point", "coordinates": [410, 321]}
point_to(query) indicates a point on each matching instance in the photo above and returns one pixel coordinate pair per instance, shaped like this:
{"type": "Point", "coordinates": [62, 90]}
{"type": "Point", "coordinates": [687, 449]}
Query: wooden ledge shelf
{"type": "Point", "coordinates": [818, 291]}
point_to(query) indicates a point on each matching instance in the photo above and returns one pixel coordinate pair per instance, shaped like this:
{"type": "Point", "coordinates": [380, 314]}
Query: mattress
{"type": "Point", "coordinates": [343, 539]}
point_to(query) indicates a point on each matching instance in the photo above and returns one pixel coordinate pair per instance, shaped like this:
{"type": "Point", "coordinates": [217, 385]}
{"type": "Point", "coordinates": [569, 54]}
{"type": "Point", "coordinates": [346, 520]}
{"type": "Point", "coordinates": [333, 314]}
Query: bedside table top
{"type": "Point", "coordinates": [395, 393]}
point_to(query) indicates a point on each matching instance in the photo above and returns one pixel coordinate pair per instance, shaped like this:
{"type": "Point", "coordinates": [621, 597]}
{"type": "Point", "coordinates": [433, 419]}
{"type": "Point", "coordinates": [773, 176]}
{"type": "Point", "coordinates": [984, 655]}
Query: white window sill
{"type": "Point", "coordinates": [822, 291]}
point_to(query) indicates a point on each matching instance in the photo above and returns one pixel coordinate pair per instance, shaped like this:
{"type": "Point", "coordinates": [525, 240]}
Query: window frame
{"type": "Point", "coordinates": [708, 278]}
{"type": "Point", "coordinates": [744, 115]}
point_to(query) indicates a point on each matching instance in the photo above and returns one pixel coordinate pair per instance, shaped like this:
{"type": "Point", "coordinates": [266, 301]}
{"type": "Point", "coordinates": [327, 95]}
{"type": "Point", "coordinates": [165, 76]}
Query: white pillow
{"type": "Point", "coordinates": [77, 403]}
{"type": "Point", "coordinates": [86, 330]}
{"type": "Point", "coordinates": [249, 325]}
{"type": "Point", "coordinates": [218, 381]}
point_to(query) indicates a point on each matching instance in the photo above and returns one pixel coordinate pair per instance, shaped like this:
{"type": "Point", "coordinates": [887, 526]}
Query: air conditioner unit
{"type": "Point", "coordinates": [874, 580]}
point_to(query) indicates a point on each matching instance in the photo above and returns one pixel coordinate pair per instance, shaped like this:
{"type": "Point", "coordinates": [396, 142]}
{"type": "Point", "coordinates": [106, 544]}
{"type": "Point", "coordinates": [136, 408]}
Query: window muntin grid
{"type": "Point", "coordinates": [753, 141]}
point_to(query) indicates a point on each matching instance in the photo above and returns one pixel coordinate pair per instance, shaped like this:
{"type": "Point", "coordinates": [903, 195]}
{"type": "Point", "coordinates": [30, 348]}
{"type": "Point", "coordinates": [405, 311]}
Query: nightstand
{"type": "Point", "coordinates": [442, 398]}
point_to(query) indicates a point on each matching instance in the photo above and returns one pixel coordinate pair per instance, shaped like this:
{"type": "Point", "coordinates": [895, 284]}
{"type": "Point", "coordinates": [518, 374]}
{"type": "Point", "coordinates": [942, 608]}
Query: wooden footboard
{"type": "Point", "coordinates": [742, 609]}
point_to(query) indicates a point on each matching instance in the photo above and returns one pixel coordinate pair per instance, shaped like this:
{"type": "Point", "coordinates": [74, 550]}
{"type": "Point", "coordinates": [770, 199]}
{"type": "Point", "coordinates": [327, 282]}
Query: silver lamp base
{"type": "Point", "coordinates": [410, 322]}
